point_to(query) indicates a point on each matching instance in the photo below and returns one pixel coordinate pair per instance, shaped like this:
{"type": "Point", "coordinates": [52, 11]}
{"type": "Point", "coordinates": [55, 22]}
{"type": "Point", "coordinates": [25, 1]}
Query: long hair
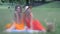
{"type": "Point", "coordinates": [17, 7]}
{"type": "Point", "coordinates": [28, 13]}
{"type": "Point", "coordinates": [19, 14]}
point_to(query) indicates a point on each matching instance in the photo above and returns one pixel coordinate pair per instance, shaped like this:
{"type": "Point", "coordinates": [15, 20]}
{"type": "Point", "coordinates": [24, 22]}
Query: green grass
{"type": "Point", "coordinates": [50, 11]}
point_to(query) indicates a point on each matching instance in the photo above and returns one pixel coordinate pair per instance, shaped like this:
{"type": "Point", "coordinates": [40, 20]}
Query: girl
{"type": "Point", "coordinates": [18, 23]}
{"type": "Point", "coordinates": [31, 23]}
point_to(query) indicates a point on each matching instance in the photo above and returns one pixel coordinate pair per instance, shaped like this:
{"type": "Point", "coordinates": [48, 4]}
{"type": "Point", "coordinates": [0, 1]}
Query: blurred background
{"type": "Point", "coordinates": [41, 9]}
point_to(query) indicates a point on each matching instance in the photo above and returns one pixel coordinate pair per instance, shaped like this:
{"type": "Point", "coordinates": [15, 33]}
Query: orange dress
{"type": "Point", "coordinates": [17, 25]}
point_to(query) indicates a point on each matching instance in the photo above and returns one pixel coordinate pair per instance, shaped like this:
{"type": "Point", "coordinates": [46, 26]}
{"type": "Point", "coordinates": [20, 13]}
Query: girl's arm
{"type": "Point", "coordinates": [31, 20]}
{"type": "Point", "coordinates": [31, 16]}
{"type": "Point", "coordinates": [17, 20]}
{"type": "Point", "coordinates": [11, 28]}
{"type": "Point", "coordinates": [13, 24]}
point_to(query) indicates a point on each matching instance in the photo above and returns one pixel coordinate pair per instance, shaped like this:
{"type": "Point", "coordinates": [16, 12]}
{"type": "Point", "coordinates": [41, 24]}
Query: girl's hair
{"type": "Point", "coordinates": [28, 11]}
{"type": "Point", "coordinates": [17, 7]}
{"type": "Point", "coordinates": [29, 7]}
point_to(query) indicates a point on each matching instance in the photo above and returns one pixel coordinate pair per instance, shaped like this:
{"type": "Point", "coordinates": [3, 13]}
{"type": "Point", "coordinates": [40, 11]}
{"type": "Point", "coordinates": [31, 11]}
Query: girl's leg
{"type": "Point", "coordinates": [38, 26]}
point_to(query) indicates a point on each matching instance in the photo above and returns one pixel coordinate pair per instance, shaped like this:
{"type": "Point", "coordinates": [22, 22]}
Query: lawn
{"type": "Point", "coordinates": [50, 11]}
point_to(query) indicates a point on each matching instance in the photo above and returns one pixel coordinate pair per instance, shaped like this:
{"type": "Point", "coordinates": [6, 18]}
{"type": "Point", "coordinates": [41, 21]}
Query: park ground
{"type": "Point", "coordinates": [50, 11]}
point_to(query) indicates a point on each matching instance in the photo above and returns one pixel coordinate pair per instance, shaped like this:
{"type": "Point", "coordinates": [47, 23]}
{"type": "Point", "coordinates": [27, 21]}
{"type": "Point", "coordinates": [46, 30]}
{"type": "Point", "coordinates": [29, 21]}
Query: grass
{"type": "Point", "coordinates": [50, 11]}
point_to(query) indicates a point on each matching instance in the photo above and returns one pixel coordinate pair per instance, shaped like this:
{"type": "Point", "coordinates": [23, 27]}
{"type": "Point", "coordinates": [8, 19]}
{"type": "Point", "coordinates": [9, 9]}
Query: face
{"type": "Point", "coordinates": [18, 9]}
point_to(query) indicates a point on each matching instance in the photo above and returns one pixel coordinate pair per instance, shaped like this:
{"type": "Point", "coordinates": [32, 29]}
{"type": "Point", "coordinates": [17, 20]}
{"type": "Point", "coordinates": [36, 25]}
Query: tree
{"type": "Point", "coordinates": [27, 2]}
{"type": "Point", "coordinates": [2, 1]}
{"type": "Point", "coordinates": [43, 1]}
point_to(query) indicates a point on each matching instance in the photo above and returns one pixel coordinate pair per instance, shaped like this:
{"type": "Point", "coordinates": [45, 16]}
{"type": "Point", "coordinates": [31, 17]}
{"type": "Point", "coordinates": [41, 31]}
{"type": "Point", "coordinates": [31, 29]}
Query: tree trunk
{"type": "Point", "coordinates": [43, 1]}
{"type": "Point", "coordinates": [27, 2]}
